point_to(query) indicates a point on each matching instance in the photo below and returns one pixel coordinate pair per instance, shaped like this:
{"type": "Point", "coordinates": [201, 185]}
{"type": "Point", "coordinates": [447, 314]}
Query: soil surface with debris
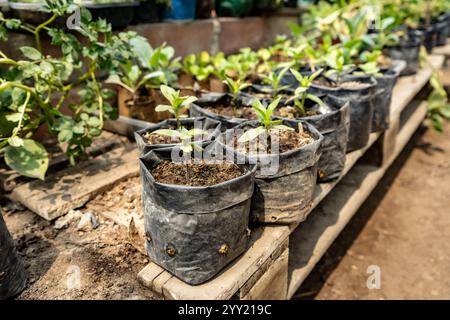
{"type": "Point", "coordinates": [403, 228]}
{"type": "Point", "coordinates": [82, 255]}
{"type": "Point", "coordinates": [195, 174]}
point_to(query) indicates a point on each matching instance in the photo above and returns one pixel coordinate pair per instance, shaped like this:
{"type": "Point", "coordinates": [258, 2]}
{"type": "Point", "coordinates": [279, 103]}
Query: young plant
{"type": "Point", "coordinates": [384, 35]}
{"type": "Point", "coordinates": [132, 78]}
{"type": "Point", "coordinates": [199, 67]}
{"type": "Point", "coordinates": [274, 80]}
{"type": "Point", "coordinates": [301, 92]}
{"type": "Point", "coordinates": [335, 61]}
{"type": "Point", "coordinates": [178, 105]}
{"type": "Point", "coordinates": [438, 103]}
{"type": "Point", "coordinates": [234, 87]}
{"type": "Point", "coordinates": [33, 89]}
{"type": "Point", "coordinates": [265, 120]}
{"type": "Point", "coordinates": [160, 59]}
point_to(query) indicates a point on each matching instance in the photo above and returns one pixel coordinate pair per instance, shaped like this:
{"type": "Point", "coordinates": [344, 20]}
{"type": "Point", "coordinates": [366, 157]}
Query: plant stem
{"type": "Point", "coordinates": [100, 100]}
{"type": "Point", "coordinates": [22, 113]}
{"type": "Point", "coordinates": [38, 29]}
{"type": "Point", "coordinates": [8, 61]}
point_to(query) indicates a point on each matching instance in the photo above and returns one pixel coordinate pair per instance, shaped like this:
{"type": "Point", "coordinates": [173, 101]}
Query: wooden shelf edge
{"type": "Point", "coordinates": [325, 224]}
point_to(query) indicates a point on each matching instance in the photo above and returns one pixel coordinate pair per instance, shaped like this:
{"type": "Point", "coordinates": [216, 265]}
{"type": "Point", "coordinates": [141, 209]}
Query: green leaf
{"type": "Point", "coordinates": [65, 135]}
{"type": "Point", "coordinates": [31, 53]}
{"type": "Point", "coordinates": [93, 122]}
{"type": "Point", "coordinates": [78, 128]}
{"type": "Point", "coordinates": [188, 101]}
{"type": "Point", "coordinates": [315, 99]}
{"type": "Point", "coordinates": [283, 127]}
{"type": "Point", "coordinates": [115, 79]}
{"type": "Point", "coordinates": [273, 105]}
{"type": "Point", "coordinates": [163, 108]}
{"type": "Point", "coordinates": [297, 75]}
{"type": "Point", "coordinates": [169, 93]}
{"type": "Point", "coordinates": [15, 141]}
{"type": "Point", "coordinates": [30, 160]}
{"type": "Point", "coordinates": [13, 117]}
{"type": "Point", "coordinates": [46, 67]}
{"type": "Point", "coordinates": [167, 132]}
{"type": "Point", "coordinates": [251, 134]}
{"type": "Point", "coordinates": [142, 49]}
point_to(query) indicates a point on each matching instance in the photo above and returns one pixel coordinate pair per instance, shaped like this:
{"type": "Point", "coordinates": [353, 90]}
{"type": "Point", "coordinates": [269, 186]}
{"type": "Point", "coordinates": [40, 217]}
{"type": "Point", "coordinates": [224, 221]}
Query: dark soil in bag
{"type": "Point", "coordinates": [285, 182]}
{"type": "Point", "coordinates": [218, 106]}
{"type": "Point", "coordinates": [195, 231]}
{"type": "Point", "coordinates": [12, 273]}
{"type": "Point", "coordinates": [146, 141]}
{"type": "Point", "coordinates": [359, 92]}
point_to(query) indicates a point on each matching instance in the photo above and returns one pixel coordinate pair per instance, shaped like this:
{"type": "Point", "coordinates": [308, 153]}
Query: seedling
{"type": "Point", "coordinates": [133, 79]}
{"type": "Point", "coordinates": [265, 119]}
{"type": "Point", "coordinates": [438, 105]}
{"type": "Point", "coordinates": [301, 93]}
{"type": "Point", "coordinates": [199, 67]}
{"type": "Point", "coordinates": [384, 35]}
{"type": "Point", "coordinates": [335, 60]}
{"type": "Point", "coordinates": [158, 59]}
{"type": "Point", "coordinates": [370, 65]}
{"type": "Point", "coordinates": [177, 106]}
{"type": "Point", "coordinates": [234, 87]}
{"type": "Point", "coordinates": [274, 80]}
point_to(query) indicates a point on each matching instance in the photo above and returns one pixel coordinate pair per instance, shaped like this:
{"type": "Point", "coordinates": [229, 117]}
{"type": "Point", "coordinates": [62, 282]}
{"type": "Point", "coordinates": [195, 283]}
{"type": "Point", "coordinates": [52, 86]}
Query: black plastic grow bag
{"type": "Point", "coordinates": [194, 232]}
{"type": "Point", "coordinates": [211, 99]}
{"type": "Point", "coordinates": [12, 272]}
{"type": "Point", "coordinates": [209, 125]}
{"type": "Point", "coordinates": [442, 30]}
{"type": "Point", "coordinates": [360, 109]}
{"type": "Point", "coordinates": [408, 51]}
{"type": "Point", "coordinates": [383, 96]}
{"type": "Point", "coordinates": [333, 124]}
{"type": "Point", "coordinates": [429, 36]}
{"type": "Point", "coordinates": [282, 192]}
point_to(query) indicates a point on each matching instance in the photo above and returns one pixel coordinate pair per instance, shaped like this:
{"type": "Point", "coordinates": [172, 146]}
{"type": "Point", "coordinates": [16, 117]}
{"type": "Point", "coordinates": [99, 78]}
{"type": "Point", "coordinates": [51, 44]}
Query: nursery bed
{"type": "Point", "coordinates": [261, 272]}
{"type": "Point", "coordinates": [266, 259]}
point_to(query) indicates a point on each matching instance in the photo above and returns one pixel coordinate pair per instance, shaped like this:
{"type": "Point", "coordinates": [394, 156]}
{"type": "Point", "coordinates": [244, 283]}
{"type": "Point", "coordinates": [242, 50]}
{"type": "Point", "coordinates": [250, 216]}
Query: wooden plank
{"type": "Point", "coordinates": [264, 242]}
{"type": "Point", "coordinates": [407, 87]}
{"type": "Point", "coordinates": [443, 50]}
{"type": "Point", "coordinates": [263, 269]}
{"type": "Point", "coordinates": [149, 273]}
{"type": "Point", "coordinates": [73, 187]}
{"type": "Point", "coordinates": [9, 179]}
{"type": "Point", "coordinates": [310, 241]}
{"type": "Point", "coordinates": [273, 284]}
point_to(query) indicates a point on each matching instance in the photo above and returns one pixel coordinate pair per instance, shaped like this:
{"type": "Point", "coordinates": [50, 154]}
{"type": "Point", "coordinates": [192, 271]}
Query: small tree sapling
{"type": "Point", "coordinates": [301, 93]}
{"type": "Point", "coordinates": [265, 120]}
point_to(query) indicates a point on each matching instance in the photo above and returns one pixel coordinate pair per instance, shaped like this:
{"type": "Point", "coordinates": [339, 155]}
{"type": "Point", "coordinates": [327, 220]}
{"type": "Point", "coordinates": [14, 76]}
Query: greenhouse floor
{"type": "Point", "coordinates": [399, 228]}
